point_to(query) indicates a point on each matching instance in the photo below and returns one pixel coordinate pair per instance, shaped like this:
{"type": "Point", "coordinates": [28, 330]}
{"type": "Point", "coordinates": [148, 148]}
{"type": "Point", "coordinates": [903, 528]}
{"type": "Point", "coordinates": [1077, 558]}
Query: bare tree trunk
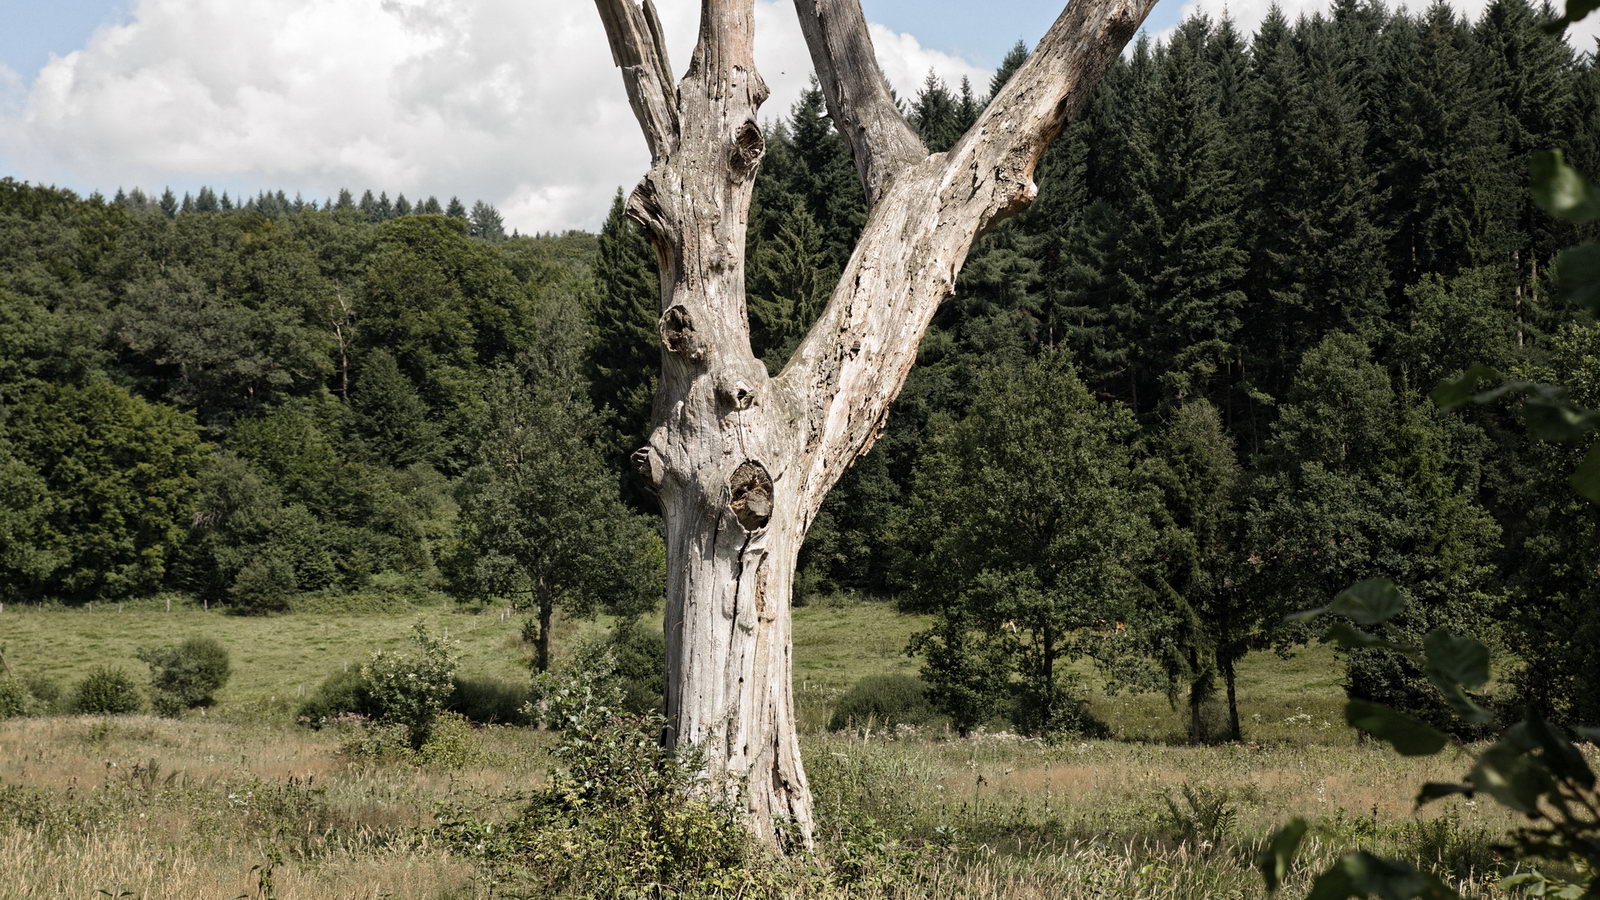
{"type": "Point", "coordinates": [1230, 678]}
{"type": "Point", "coordinates": [541, 648]}
{"type": "Point", "coordinates": [741, 461]}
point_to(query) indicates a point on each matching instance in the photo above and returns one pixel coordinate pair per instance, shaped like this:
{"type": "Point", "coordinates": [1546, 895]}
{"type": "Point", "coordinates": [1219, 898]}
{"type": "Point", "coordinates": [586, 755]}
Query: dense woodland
{"type": "Point", "coordinates": [1182, 395]}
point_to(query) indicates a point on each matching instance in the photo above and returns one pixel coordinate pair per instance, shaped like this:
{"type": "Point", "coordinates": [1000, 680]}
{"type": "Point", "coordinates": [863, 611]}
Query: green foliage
{"type": "Point", "coordinates": [1026, 535]}
{"type": "Point", "coordinates": [342, 693]}
{"type": "Point", "coordinates": [883, 701]}
{"type": "Point", "coordinates": [110, 482]}
{"type": "Point", "coordinates": [620, 814]}
{"type": "Point", "coordinates": [186, 676]}
{"type": "Point", "coordinates": [16, 700]}
{"type": "Point", "coordinates": [108, 692]}
{"type": "Point", "coordinates": [541, 523]}
{"type": "Point", "coordinates": [410, 690]}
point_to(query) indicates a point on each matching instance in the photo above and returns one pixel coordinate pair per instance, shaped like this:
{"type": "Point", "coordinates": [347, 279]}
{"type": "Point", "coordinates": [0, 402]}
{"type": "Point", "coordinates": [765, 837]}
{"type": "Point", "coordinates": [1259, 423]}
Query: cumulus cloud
{"type": "Point", "coordinates": [505, 100]}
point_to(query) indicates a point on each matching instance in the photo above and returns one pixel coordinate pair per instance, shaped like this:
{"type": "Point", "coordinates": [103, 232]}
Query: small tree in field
{"type": "Point", "coordinates": [541, 524]}
{"type": "Point", "coordinates": [741, 460]}
{"type": "Point", "coordinates": [1026, 535]}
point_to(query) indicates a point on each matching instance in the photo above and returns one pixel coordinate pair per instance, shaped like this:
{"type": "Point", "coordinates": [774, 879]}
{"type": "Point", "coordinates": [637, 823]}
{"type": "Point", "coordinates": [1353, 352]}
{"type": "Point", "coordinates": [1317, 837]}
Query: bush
{"type": "Point", "coordinates": [187, 676]}
{"type": "Point", "coordinates": [621, 812]}
{"type": "Point", "coordinates": [490, 701]}
{"type": "Point", "coordinates": [16, 700]}
{"type": "Point", "coordinates": [412, 689]}
{"type": "Point", "coordinates": [47, 691]}
{"type": "Point", "coordinates": [884, 700]}
{"type": "Point", "coordinates": [107, 691]}
{"type": "Point", "coordinates": [341, 693]}
{"type": "Point", "coordinates": [264, 584]}
{"type": "Point", "coordinates": [640, 658]}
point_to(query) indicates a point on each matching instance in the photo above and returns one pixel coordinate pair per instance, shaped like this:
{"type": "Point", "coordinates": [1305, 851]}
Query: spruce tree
{"type": "Point", "coordinates": [1180, 260]}
{"type": "Point", "coordinates": [627, 337]}
{"type": "Point", "coordinates": [455, 210]}
{"type": "Point", "coordinates": [485, 223]}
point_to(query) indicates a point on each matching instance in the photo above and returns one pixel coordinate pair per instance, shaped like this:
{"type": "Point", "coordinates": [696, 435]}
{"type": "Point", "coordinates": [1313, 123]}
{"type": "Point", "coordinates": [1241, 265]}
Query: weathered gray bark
{"type": "Point", "coordinates": [741, 461]}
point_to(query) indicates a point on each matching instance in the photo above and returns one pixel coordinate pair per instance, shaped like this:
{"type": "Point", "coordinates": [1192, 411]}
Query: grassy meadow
{"type": "Point", "coordinates": [241, 802]}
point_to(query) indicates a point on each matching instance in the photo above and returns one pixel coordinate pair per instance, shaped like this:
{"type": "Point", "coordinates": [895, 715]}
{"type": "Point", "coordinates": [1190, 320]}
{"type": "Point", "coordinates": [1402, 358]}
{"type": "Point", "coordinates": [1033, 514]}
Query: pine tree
{"type": "Point", "coordinates": [790, 281]}
{"type": "Point", "coordinates": [402, 206]}
{"type": "Point", "coordinates": [384, 209]}
{"type": "Point", "coordinates": [486, 223]}
{"type": "Point", "coordinates": [206, 201]}
{"type": "Point", "coordinates": [169, 203]}
{"type": "Point", "coordinates": [1448, 178]}
{"type": "Point", "coordinates": [1180, 261]}
{"type": "Point", "coordinates": [627, 335]}
{"type": "Point", "coordinates": [369, 207]}
{"type": "Point", "coordinates": [345, 201]}
{"type": "Point", "coordinates": [432, 207]}
{"type": "Point", "coordinates": [1014, 58]}
{"type": "Point", "coordinates": [825, 175]}
{"type": "Point", "coordinates": [935, 114]}
{"type": "Point", "coordinates": [390, 414]}
{"type": "Point", "coordinates": [455, 210]}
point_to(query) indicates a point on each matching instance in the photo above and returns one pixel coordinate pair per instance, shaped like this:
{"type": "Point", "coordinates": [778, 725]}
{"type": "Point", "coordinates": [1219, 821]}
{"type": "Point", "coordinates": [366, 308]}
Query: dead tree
{"type": "Point", "coordinates": [740, 460]}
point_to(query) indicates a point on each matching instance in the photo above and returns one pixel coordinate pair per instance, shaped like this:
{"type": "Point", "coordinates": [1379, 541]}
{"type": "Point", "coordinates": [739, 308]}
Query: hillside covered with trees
{"type": "Point", "coordinates": [1182, 395]}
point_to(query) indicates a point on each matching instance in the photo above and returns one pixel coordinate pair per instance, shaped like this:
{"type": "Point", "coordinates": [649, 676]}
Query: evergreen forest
{"type": "Point", "coordinates": [1184, 394]}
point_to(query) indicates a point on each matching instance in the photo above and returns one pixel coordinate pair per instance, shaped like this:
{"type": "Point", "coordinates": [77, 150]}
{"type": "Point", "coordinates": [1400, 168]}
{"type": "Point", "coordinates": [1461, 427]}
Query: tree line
{"type": "Point", "coordinates": [1180, 396]}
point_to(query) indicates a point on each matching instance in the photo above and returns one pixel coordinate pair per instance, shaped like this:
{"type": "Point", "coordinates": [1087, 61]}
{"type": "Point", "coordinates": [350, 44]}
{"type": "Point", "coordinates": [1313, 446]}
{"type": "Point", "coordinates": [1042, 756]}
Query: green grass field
{"type": "Point", "coordinates": [195, 807]}
{"type": "Point", "coordinates": [277, 660]}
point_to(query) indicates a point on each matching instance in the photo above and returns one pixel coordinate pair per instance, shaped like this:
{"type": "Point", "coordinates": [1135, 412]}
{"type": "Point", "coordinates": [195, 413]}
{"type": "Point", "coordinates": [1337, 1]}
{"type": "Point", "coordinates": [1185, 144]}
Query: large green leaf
{"type": "Point", "coordinates": [1576, 10]}
{"type": "Point", "coordinates": [1407, 735]}
{"type": "Point", "coordinates": [1586, 478]}
{"type": "Point", "coordinates": [1352, 638]}
{"type": "Point", "coordinates": [1551, 416]}
{"type": "Point", "coordinates": [1509, 774]}
{"type": "Point", "coordinates": [1277, 857]}
{"type": "Point", "coordinates": [1578, 275]}
{"type": "Point", "coordinates": [1362, 874]}
{"type": "Point", "coordinates": [1462, 389]}
{"type": "Point", "coordinates": [1433, 790]}
{"type": "Point", "coordinates": [1463, 660]}
{"type": "Point", "coordinates": [1368, 602]}
{"type": "Point", "coordinates": [1558, 188]}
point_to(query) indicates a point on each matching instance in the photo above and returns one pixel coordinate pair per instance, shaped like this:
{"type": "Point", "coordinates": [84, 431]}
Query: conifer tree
{"type": "Point", "coordinates": [485, 223]}
{"type": "Point", "coordinates": [1014, 58]}
{"type": "Point", "coordinates": [1180, 260]}
{"type": "Point", "coordinates": [169, 203]}
{"type": "Point", "coordinates": [626, 318]}
{"type": "Point", "coordinates": [1448, 178]}
{"type": "Point", "coordinates": [455, 210]}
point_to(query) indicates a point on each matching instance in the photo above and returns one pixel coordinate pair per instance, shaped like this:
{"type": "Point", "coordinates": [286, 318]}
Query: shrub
{"type": "Point", "coordinates": [187, 676]}
{"type": "Point", "coordinates": [264, 584]}
{"type": "Point", "coordinates": [16, 700]}
{"type": "Point", "coordinates": [339, 694]}
{"type": "Point", "coordinates": [885, 700]}
{"type": "Point", "coordinates": [47, 691]}
{"type": "Point", "coordinates": [412, 689]}
{"type": "Point", "coordinates": [107, 691]}
{"type": "Point", "coordinates": [489, 701]}
{"type": "Point", "coordinates": [639, 655]}
{"type": "Point", "coordinates": [621, 812]}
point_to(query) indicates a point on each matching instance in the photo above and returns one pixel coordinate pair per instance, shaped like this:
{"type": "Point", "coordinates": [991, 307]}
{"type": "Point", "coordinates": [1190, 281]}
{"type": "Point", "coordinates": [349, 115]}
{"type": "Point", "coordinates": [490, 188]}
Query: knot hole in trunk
{"type": "Point", "coordinates": [677, 333]}
{"type": "Point", "coordinates": [751, 500]}
{"type": "Point", "coordinates": [748, 148]}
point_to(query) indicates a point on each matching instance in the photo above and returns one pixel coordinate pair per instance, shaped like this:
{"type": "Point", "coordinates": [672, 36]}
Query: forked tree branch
{"type": "Point", "coordinates": [854, 360]}
{"type": "Point", "coordinates": [639, 49]}
{"type": "Point", "coordinates": [857, 94]}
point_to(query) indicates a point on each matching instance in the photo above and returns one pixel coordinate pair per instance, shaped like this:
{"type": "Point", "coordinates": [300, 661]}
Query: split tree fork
{"type": "Point", "coordinates": [740, 460]}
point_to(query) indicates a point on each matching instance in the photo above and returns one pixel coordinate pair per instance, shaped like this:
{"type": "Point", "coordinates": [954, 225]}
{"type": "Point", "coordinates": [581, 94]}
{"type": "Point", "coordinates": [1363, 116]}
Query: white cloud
{"type": "Point", "coordinates": [505, 100]}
